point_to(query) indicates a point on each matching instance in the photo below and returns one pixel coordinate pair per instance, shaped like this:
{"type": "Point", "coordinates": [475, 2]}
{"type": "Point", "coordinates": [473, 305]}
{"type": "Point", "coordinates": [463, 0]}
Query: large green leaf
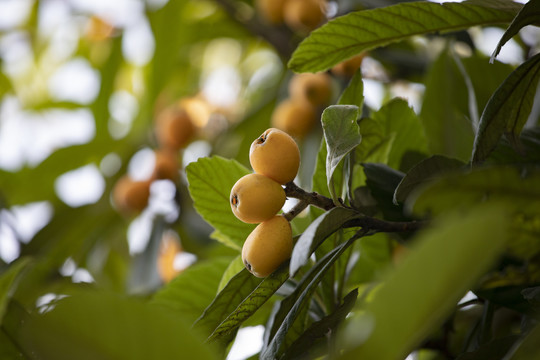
{"type": "Point", "coordinates": [423, 289]}
{"type": "Point", "coordinates": [324, 226]}
{"type": "Point", "coordinates": [210, 183]}
{"type": "Point", "coordinates": [342, 135]}
{"type": "Point", "coordinates": [484, 185]}
{"type": "Point", "coordinates": [424, 172]}
{"type": "Point", "coordinates": [399, 121]}
{"type": "Point", "coordinates": [249, 305]}
{"type": "Point", "coordinates": [97, 325]}
{"type": "Point", "coordinates": [190, 292]}
{"type": "Point", "coordinates": [445, 109]}
{"type": "Point", "coordinates": [319, 330]}
{"type": "Point", "coordinates": [301, 296]}
{"type": "Point", "coordinates": [508, 109]}
{"type": "Point", "coordinates": [526, 16]}
{"type": "Point", "coordinates": [356, 32]}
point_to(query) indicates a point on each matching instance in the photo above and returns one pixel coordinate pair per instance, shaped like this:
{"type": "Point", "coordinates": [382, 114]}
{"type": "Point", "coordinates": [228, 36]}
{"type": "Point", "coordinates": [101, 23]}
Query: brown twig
{"type": "Point", "coordinates": [365, 222]}
{"type": "Point", "coordinates": [311, 198]}
{"type": "Point", "coordinates": [281, 38]}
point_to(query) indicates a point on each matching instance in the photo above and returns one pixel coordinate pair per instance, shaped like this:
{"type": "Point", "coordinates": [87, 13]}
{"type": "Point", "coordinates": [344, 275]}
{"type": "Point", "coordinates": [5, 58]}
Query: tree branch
{"type": "Point", "coordinates": [365, 222]}
{"type": "Point", "coordinates": [280, 37]}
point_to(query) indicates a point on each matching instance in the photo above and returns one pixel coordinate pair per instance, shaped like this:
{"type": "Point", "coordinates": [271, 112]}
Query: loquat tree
{"type": "Point", "coordinates": [340, 179]}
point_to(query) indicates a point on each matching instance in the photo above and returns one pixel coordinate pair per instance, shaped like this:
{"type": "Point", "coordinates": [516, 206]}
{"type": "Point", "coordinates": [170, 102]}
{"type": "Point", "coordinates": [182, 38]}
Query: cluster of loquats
{"type": "Point", "coordinates": [174, 129]}
{"type": "Point", "coordinates": [308, 94]}
{"type": "Point", "coordinates": [257, 198]}
{"type": "Point", "coordinates": [298, 15]}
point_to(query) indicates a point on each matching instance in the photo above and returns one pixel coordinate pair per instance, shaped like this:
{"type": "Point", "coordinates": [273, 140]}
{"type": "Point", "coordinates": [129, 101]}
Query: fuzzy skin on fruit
{"type": "Point", "coordinates": [270, 10]}
{"type": "Point", "coordinates": [268, 246]}
{"type": "Point", "coordinates": [174, 128]}
{"type": "Point", "coordinates": [256, 198]}
{"type": "Point", "coordinates": [295, 117]}
{"type": "Point", "coordinates": [130, 196]}
{"type": "Point", "coordinates": [275, 154]}
{"type": "Point", "coordinates": [315, 88]}
{"type": "Point", "coordinates": [304, 15]}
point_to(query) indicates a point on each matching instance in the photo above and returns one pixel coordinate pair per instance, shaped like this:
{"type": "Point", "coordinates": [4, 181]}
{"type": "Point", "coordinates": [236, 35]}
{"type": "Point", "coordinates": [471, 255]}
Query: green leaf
{"type": "Point", "coordinates": [98, 325]}
{"type": "Point", "coordinates": [445, 109]}
{"type": "Point", "coordinates": [8, 350]}
{"type": "Point", "coordinates": [319, 330]}
{"type": "Point", "coordinates": [485, 185]}
{"type": "Point", "coordinates": [210, 183]}
{"type": "Point", "coordinates": [311, 280]}
{"type": "Point", "coordinates": [527, 348]}
{"type": "Point", "coordinates": [382, 181]}
{"type": "Point", "coordinates": [249, 305]}
{"type": "Point", "coordinates": [354, 92]}
{"type": "Point", "coordinates": [507, 110]}
{"type": "Point", "coordinates": [424, 172]}
{"type": "Point", "coordinates": [359, 31]}
{"type": "Point", "coordinates": [399, 121]}
{"type": "Point", "coordinates": [7, 283]}
{"type": "Point", "coordinates": [234, 268]}
{"type": "Point", "coordinates": [342, 135]}
{"type": "Point", "coordinates": [416, 297]}
{"type": "Point", "coordinates": [190, 292]}
{"type": "Point", "coordinates": [324, 226]}
{"type": "Point", "coordinates": [527, 15]}
{"type": "Point", "coordinates": [493, 350]}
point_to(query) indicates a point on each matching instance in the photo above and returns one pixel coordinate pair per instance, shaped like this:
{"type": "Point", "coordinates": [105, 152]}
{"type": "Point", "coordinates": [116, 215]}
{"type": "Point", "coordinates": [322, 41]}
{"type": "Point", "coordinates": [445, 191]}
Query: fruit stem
{"type": "Point", "coordinates": [297, 209]}
{"type": "Point", "coordinates": [365, 222]}
{"type": "Point", "coordinates": [311, 198]}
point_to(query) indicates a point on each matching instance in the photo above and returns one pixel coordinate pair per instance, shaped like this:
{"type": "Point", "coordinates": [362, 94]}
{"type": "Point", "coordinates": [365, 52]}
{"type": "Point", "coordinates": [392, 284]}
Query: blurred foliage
{"type": "Point", "coordinates": [434, 186]}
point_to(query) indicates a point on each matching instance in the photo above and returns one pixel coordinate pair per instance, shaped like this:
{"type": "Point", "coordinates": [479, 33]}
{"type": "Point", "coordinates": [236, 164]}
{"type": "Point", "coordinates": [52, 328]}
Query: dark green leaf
{"type": "Point", "coordinates": [324, 226]}
{"type": "Point", "coordinates": [8, 350]}
{"type": "Point", "coordinates": [191, 291]}
{"type": "Point", "coordinates": [445, 109]}
{"type": "Point", "coordinates": [342, 135]}
{"type": "Point", "coordinates": [489, 184]}
{"type": "Point", "coordinates": [424, 172]}
{"type": "Point", "coordinates": [382, 180]}
{"type": "Point", "coordinates": [97, 325]}
{"type": "Point", "coordinates": [249, 305]}
{"type": "Point", "coordinates": [7, 283]}
{"type": "Point", "coordinates": [527, 348]}
{"type": "Point", "coordinates": [304, 344]}
{"type": "Point", "coordinates": [356, 32]}
{"type": "Point", "coordinates": [507, 110]}
{"type": "Point", "coordinates": [527, 15]}
{"type": "Point", "coordinates": [415, 298]}
{"type": "Point", "coordinates": [532, 295]}
{"type": "Point", "coordinates": [312, 279]}
{"type": "Point", "coordinates": [210, 183]}
{"type": "Point", "coordinates": [493, 350]}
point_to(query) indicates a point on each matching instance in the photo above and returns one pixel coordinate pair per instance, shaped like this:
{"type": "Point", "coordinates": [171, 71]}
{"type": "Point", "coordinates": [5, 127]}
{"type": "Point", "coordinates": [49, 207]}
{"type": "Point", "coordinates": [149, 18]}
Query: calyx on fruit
{"type": "Point", "coordinates": [255, 198]}
{"type": "Point", "coordinates": [268, 246]}
{"type": "Point", "coordinates": [275, 154]}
